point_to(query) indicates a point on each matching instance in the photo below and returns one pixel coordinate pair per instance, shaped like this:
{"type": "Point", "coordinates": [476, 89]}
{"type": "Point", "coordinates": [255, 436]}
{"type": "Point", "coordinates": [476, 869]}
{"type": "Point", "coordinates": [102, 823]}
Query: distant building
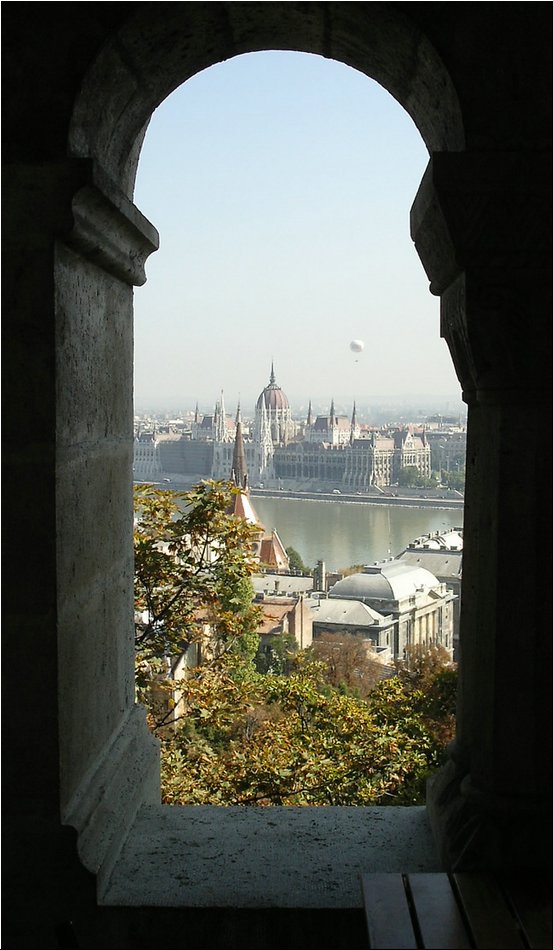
{"type": "Point", "coordinates": [355, 618]}
{"type": "Point", "coordinates": [270, 551]}
{"type": "Point", "coordinates": [146, 458]}
{"type": "Point", "coordinates": [420, 604]}
{"type": "Point", "coordinates": [448, 446]}
{"type": "Point", "coordinates": [273, 415]}
{"type": "Point", "coordinates": [441, 553]}
{"type": "Point", "coordinates": [378, 459]}
{"type": "Point", "coordinates": [334, 452]}
{"type": "Point", "coordinates": [272, 427]}
{"type": "Point", "coordinates": [214, 428]}
{"type": "Point", "coordinates": [331, 429]}
{"type": "Point", "coordinates": [352, 463]}
{"type": "Point", "coordinates": [285, 616]}
{"type": "Point", "coordinates": [271, 584]}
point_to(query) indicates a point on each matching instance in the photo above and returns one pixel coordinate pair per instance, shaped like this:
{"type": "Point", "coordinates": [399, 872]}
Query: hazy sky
{"type": "Point", "coordinates": [281, 185]}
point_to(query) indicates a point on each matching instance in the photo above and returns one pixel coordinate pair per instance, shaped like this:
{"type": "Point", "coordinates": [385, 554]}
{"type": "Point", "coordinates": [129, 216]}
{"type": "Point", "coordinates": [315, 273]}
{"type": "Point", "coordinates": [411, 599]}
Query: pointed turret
{"type": "Point", "coordinates": [309, 415]}
{"type": "Point", "coordinates": [332, 414]}
{"type": "Point", "coordinates": [220, 421]}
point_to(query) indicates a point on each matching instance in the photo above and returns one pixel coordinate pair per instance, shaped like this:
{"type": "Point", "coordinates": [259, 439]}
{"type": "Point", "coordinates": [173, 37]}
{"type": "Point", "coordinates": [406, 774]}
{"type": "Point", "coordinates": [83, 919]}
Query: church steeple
{"type": "Point", "coordinates": [332, 414]}
{"type": "Point", "coordinates": [309, 416]}
{"type": "Point", "coordinates": [353, 430]}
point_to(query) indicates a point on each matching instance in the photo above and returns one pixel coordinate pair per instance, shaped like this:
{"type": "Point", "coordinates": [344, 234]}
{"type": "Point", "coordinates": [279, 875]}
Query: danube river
{"type": "Point", "coordinates": [342, 534]}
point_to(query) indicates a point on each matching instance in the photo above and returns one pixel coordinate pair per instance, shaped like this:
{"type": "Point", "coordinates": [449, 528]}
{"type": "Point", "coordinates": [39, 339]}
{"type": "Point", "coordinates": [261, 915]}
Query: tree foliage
{"type": "Point", "coordinates": [278, 656]}
{"type": "Point", "coordinates": [454, 480]}
{"type": "Point", "coordinates": [349, 662]}
{"type": "Point", "coordinates": [410, 477]}
{"type": "Point", "coordinates": [296, 562]}
{"type": "Point", "coordinates": [292, 740]}
{"type": "Point", "coordinates": [352, 569]}
{"type": "Point", "coordinates": [303, 731]}
{"type": "Point", "coordinates": [192, 560]}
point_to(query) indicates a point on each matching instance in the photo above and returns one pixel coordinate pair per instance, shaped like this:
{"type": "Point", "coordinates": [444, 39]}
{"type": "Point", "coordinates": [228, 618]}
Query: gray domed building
{"type": "Point", "coordinates": [421, 605]}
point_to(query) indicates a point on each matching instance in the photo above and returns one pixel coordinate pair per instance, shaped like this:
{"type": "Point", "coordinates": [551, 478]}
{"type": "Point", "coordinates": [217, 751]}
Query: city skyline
{"type": "Point", "coordinates": [402, 412]}
{"type": "Point", "coordinates": [418, 402]}
{"type": "Point", "coordinates": [281, 185]}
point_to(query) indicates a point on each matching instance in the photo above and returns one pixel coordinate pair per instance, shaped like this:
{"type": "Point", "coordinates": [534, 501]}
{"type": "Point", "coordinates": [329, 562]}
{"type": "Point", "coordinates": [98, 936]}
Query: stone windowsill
{"type": "Point", "coordinates": [209, 856]}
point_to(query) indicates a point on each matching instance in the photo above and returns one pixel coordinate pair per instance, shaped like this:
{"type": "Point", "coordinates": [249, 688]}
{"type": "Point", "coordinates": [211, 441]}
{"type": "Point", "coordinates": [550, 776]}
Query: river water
{"type": "Point", "coordinates": [342, 534]}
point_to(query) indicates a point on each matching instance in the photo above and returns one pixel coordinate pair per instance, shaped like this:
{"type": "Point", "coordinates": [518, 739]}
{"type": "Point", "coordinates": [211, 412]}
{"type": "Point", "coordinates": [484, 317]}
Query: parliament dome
{"type": "Point", "coordinates": [274, 397]}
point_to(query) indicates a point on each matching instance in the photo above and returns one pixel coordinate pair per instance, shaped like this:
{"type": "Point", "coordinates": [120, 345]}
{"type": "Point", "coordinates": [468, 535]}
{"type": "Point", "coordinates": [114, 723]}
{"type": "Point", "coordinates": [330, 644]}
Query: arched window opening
{"type": "Point", "coordinates": [280, 184]}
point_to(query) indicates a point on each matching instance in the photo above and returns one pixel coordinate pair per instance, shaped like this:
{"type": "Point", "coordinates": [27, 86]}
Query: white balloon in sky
{"type": "Point", "coordinates": [357, 346]}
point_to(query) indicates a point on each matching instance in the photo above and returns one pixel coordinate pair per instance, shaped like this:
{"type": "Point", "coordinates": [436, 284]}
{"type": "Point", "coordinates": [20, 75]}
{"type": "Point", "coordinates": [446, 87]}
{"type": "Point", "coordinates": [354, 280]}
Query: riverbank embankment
{"type": "Point", "coordinates": [365, 498]}
{"type": "Point", "coordinates": [408, 499]}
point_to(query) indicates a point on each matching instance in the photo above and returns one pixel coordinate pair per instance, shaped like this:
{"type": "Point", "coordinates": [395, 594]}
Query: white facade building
{"type": "Point", "coordinates": [421, 605]}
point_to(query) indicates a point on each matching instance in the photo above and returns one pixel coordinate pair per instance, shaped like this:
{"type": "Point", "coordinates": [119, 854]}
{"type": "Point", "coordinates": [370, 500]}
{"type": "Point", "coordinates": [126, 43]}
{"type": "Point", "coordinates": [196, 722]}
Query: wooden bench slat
{"type": "Point", "coordinates": [490, 920]}
{"type": "Point", "coordinates": [387, 912]}
{"type": "Point", "coordinates": [529, 893]}
{"type": "Point", "coordinates": [468, 909]}
{"type": "Point", "coordinates": [439, 918]}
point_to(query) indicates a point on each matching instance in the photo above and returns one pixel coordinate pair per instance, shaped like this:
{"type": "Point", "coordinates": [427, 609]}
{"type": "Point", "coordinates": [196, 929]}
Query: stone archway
{"type": "Point", "coordinates": [97, 265]}
{"type": "Point", "coordinates": [158, 51]}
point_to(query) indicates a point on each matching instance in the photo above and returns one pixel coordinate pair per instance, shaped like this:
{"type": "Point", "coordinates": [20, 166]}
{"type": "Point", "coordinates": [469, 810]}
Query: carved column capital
{"type": "Point", "coordinates": [481, 224]}
{"type": "Point", "coordinates": [110, 231]}
{"type": "Point", "coordinates": [486, 210]}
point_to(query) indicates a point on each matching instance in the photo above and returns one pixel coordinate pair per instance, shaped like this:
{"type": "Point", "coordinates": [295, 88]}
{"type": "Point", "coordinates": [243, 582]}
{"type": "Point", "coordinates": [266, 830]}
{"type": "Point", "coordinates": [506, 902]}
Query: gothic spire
{"type": "Point", "coordinates": [272, 378]}
{"type": "Point", "coordinates": [309, 415]}
{"type": "Point", "coordinates": [353, 424]}
{"type": "Point", "coordinates": [220, 421]}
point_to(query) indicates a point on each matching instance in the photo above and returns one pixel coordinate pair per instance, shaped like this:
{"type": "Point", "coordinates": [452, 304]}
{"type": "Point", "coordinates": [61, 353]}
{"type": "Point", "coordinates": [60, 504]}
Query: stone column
{"type": "Point", "coordinates": [109, 762]}
{"type": "Point", "coordinates": [480, 226]}
{"type": "Point", "coordinates": [75, 743]}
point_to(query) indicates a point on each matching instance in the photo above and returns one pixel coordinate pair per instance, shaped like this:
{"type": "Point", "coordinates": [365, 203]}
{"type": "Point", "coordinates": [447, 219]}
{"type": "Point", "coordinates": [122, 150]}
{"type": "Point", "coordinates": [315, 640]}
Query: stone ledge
{"type": "Point", "coordinates": [105, 806]}
{"type": "Point", "coordinates": [209, 856]}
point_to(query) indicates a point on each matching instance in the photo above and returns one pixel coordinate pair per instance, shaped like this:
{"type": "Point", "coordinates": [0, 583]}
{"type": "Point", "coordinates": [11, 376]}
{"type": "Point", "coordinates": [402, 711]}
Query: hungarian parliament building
{"type": "Point", "coordinates": [321, 453]}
